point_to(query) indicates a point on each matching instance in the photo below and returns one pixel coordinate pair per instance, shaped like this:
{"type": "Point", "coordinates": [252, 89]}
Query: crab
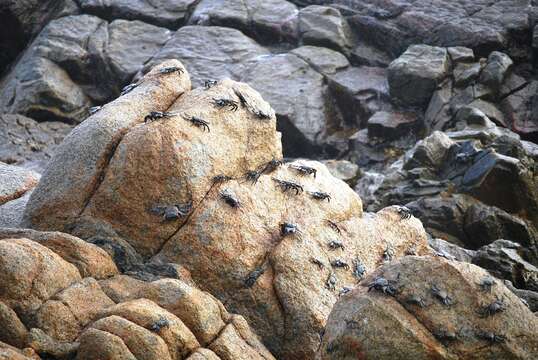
{"type": "Point", "coordinates": [261, 115]}
{"type": "Point", "coordinates": [441, 295]}
{"type": "Point", "coordinates": [339, 264]}
{"type": "Point", "coordinates": [219, 179]}
{"type": "Point", "coordinates": [128, 88]}
{"type": "Point", "coordinates": [331, 281]}
{"type": "Point", "coordinates": [221, 103]}
{"type": "Point", "coordinates": [271, 166]}
{"type": "Point", "coordinates": [171, 69]}
{"type": "Point", "coordinates": [159, 324]}
{"type": "Point", "coordinates": [288, 185]}
{"type": "Point", "coordinates": [445, 335]}
{"type": "Point", "coordinates": [304, 170]}
{"type": "Point", "coordinates": [383, 285]}
{"type": "Point", "coordinates": [253, 277]}
{"type": "Point", "coordinates": [318, 263]}
{"type": "Point", "coordinates": [416, 300]}
{"type": "Point", "coordinates": [198, 122]}
{"type": "Point", "coordinates": [208, 84]}
{"type": "Point", "coordinates": [489, 310]}
{"type": "Point", "coordinates": [94, 109]}
{"type": "Point", "coordinates": [335, 244]}
{"type": "Point", "coordinates": [230, 199]}
{"type": "Point", "coordinates": [319, 195]}
{"type": "Point", "coordinates": [344, 291]}
{"type": "Point", "coordinates": [487, 283]}
{"type": "Point", "coordinates": [156, 115]}
{"type": "Point", "coordinates": [334, 226]}
{"type": "Point", "coordinates": [388, 254]}
{"type": "Point", "coordinates": [358, 269]}
{"type": "Point", "coordinates": [491, 337]}
{"type": "Point", "coordinates": [288, 229]}
{"type": "Point", "coordinates": [252, 176]}
{"type": "Point", "coordinates": [173, 212]}
{"type": "Point", "coordinates": [404, 212]}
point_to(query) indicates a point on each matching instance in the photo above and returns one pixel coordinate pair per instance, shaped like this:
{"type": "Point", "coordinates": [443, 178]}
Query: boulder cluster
{"type": "Point", "coordinates": [225, 179]}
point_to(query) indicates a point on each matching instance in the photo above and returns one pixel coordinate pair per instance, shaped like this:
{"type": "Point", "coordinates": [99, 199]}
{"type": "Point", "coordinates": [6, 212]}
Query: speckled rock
{"type": "Point", "coordinates": [15, 182]}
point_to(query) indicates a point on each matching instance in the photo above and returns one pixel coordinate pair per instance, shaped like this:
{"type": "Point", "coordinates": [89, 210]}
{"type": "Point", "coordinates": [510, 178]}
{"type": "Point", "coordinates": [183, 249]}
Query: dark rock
{"type": "Point", "coordinates": [484, 224]}
{"type": "Point", "coordinates": [491, 111]}
{"type": "Point", "coordinates": [414, 76]}
{"type": "Point", "coordinates": [392, 125]}
{"type": "Point", "coordinates": [496, 70]}
{"type": "Point", "coordinates": [359, 93]}
{"type": "Point", "coordinates": [366, 55]}
{"type": "Point", "coordinates": [439, 112]}
{"type": "Point", "coordinates": [323, 60]}
{"type": "Point", "coordinates": [211, 52]}
{"type": "Point", "coordinates": [530, 298]}
{"type": "Point", "coordinates": [166, 13]}
{"type": "Point", "coordinates": [124, 255]}
{"type": "Point", "coordinates": [301, 106]}
{"type": "Point", "coordinates": [505, 260]}
{"type": "Point", "coordinates": [470, 116]}
{"type": "Point", "coordinates": [325, 26]}
{"type": "Point", "coordinates": [77, 60]}
{"type": "Point", "coordinates": [272, 21]}
{"type": "Point", "coordinates": [451, 251]}
{"type": "Point", "coordinates": [24, 141]}
{"type": "Point", "coordinates": [521, 110]}
{"type": "Point", "coordinates": [465, 74]}
{"type": "Point", "coordinates": [460, 54]}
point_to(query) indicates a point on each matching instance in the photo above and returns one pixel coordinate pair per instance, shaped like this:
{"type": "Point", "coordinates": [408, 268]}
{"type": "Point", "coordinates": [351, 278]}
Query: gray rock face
{"type": "Point", "coordinates": [74, 62]}
{"type": "Point", "coordinates": [392, 125]}
{"type": "Point", "coordinates": [321, 59]}
{"type": "Point", "coordinates": [26, 142]}
{"type": "Point", "coordinates": [451, 251]}
{"type": "Point", "coordinates": [325, 26]}
{"type": "Point", "coordinates": [421, 68]}
{"type": "Point", "coordinates": [268, 21]}
{"type": "Point", "coordinates": [495, 70]}
{"type": "Point", "coordinates": [211, 52]}
{"type": "Point", "coordinates": [11, 212]}
{"type": "Point", "coordinates": [166, 13]}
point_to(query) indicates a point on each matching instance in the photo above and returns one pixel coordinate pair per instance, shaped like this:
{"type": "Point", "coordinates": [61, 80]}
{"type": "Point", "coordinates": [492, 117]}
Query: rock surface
{"type": "Point", "coordinates": [415, 322]}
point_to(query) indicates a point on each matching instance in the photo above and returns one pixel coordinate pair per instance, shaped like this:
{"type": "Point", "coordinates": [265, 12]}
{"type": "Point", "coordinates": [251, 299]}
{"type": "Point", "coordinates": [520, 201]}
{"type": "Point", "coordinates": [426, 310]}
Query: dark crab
{"type": "Point", "coordinates": [487, 283]}
{"type": "Point", "coordinates": [337, 263]}
{"type": "Point", "coordinates": [173, 212]}
{"type": "Point", "coordinates": [128, 88]}
{"type": "Point", "coordinates": [334, 226]}
{"type": "Point", "coordinates": [335, 244]}
{"type": "Point", "coordinates": [288, 229]}
{"type": "Point", "coordinates": [288, 185]}
{"type": "Point", "coordinates": [221, 103]}
{"type": "Point", "coordinates": [171, 69]}
{"type": "Point", "coordinates": [253, 277]}
{"type": "Point", "coordinates": [491, 309]}
{"type": "Point", "coordinates": [344, 291]}
{"type": "Point", "coordinates": [304, 170]}
{"type": "Point", "coordinates": [388, 254]}
{"type": "Point", "coordinates": [441, 295]}
{"type": "Point", "coordinates": [383, 285]}
{"type": "Point", "coordinates": [219, 179]}
{"type": "Point", "coordinates": [405, 212]}
{"type": "Point", "coordinates": [318, 263]}
{"type": "Point", "coordinates": [198, 122]}
{"type": "Point", "coordinates": [358, 269]}
{"type": "Point", "coordinates": [159, 324]}
{"type": "Point", "coordinates": [445, 335]}
{"type": "Point", "coordinates": [416, 300]}
{"type": "Point", "coordinates": [271, 166]}
{"type": "Point", "coordinates": [491, 337]}
{"type": "Point", "coordinates": [253, 176]}
{"type": "Point", "coordinates": [208, 84]}
{"type": "Point", "coordinates": [156, 115]}
{"type": "Point", "coordinates": [230, 199]}
{"type": "Point", "coordinates": [331, 281]}
{"type": "Point", "coordinates": [320, 195]}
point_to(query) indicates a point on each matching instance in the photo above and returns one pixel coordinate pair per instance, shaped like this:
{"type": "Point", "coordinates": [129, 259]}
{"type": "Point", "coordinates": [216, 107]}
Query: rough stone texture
{"type": "Point", "coordinates": [45, 345]}
{"type": "Point", "coordinates": [167, 13]}
{"type": "Point", "coordinates": [504, 259]}
{"type": "Point", "coordinates": [325, 26]}
{"type": "Point", "coordinates": [8, 352]}
{"type": "Point", "coordinates": [25, 142]}
{"type": "Point", "coordinates": [495, 70]}
{"type": "Point", "coordinates": [15, 182]}
{"type": "Point", "coordinates": [460, 54]}
{"type": "Point", "coordinates": [372, 324]}
{"type": "Point", "coordinates": [421, 68]}
{"type": "Point", "coordinates": [231, 52]}
{"type": "Point", "coordinates": [12, 330]}
{"type": "Point", "coordinates": [74, 62]}
{"type": "Point", "coordinates": [11, 212]}
{"type": "Point", "coordinates": [90, 260]}
{"type": "Point", "coordinates": [74, 173]}
{"type": "Point", "coordinates": [431, 151]}
{"type": "Point", "coordinates": [268, 21]}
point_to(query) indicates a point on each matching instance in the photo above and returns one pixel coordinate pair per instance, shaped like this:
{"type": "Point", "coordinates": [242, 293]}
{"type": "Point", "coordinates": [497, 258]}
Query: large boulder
{"type": "Point", "coordinates": [420, 68]}
{"type": "Point", "coordinates": [430, 308]}
{"type": "Point", "coordinates": [77, 61]}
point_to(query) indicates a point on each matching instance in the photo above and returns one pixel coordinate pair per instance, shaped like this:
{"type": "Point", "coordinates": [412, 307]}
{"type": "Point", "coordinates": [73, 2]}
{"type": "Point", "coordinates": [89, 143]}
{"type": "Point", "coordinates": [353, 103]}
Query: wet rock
{"type": "Point", "coordinates": [484, 224]}
{"type": "Point", "coordinates": [392, 125]}
{"type": "Point", "coordinates": [422, 68]}
{"type": "Point", "coordinates": [273, 21]}
{"type": "Point", "coordinates": [495, 70]}
{"type": "Point", "coordinates": [325, 26]}
{"type": "Point", "coordinates": [359, 93]}
{"type": "Point", "coordinates": [416, 323]}
{"type": "Point", "coordinates": [192, 44]}
{"type": "Point", "coordinates": [321, 59]}
{"type": "Point", "coordinates": [167, 13]}
{"type": "Point", "coordinates": [90, 260]}
{"type": "Point", "coordinates": [15, 182]}
{"type": "Point", "coordinates": [504, 259]}
{"type": "Point", "coordinates": [25, 142]}
{"type": "Point", "coordinates": [74, 62]}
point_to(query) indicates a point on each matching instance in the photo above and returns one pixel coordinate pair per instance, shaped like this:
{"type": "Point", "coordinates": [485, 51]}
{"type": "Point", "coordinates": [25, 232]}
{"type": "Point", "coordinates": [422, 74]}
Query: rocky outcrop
{"type": "Point", "coordinates": [430, 307]}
